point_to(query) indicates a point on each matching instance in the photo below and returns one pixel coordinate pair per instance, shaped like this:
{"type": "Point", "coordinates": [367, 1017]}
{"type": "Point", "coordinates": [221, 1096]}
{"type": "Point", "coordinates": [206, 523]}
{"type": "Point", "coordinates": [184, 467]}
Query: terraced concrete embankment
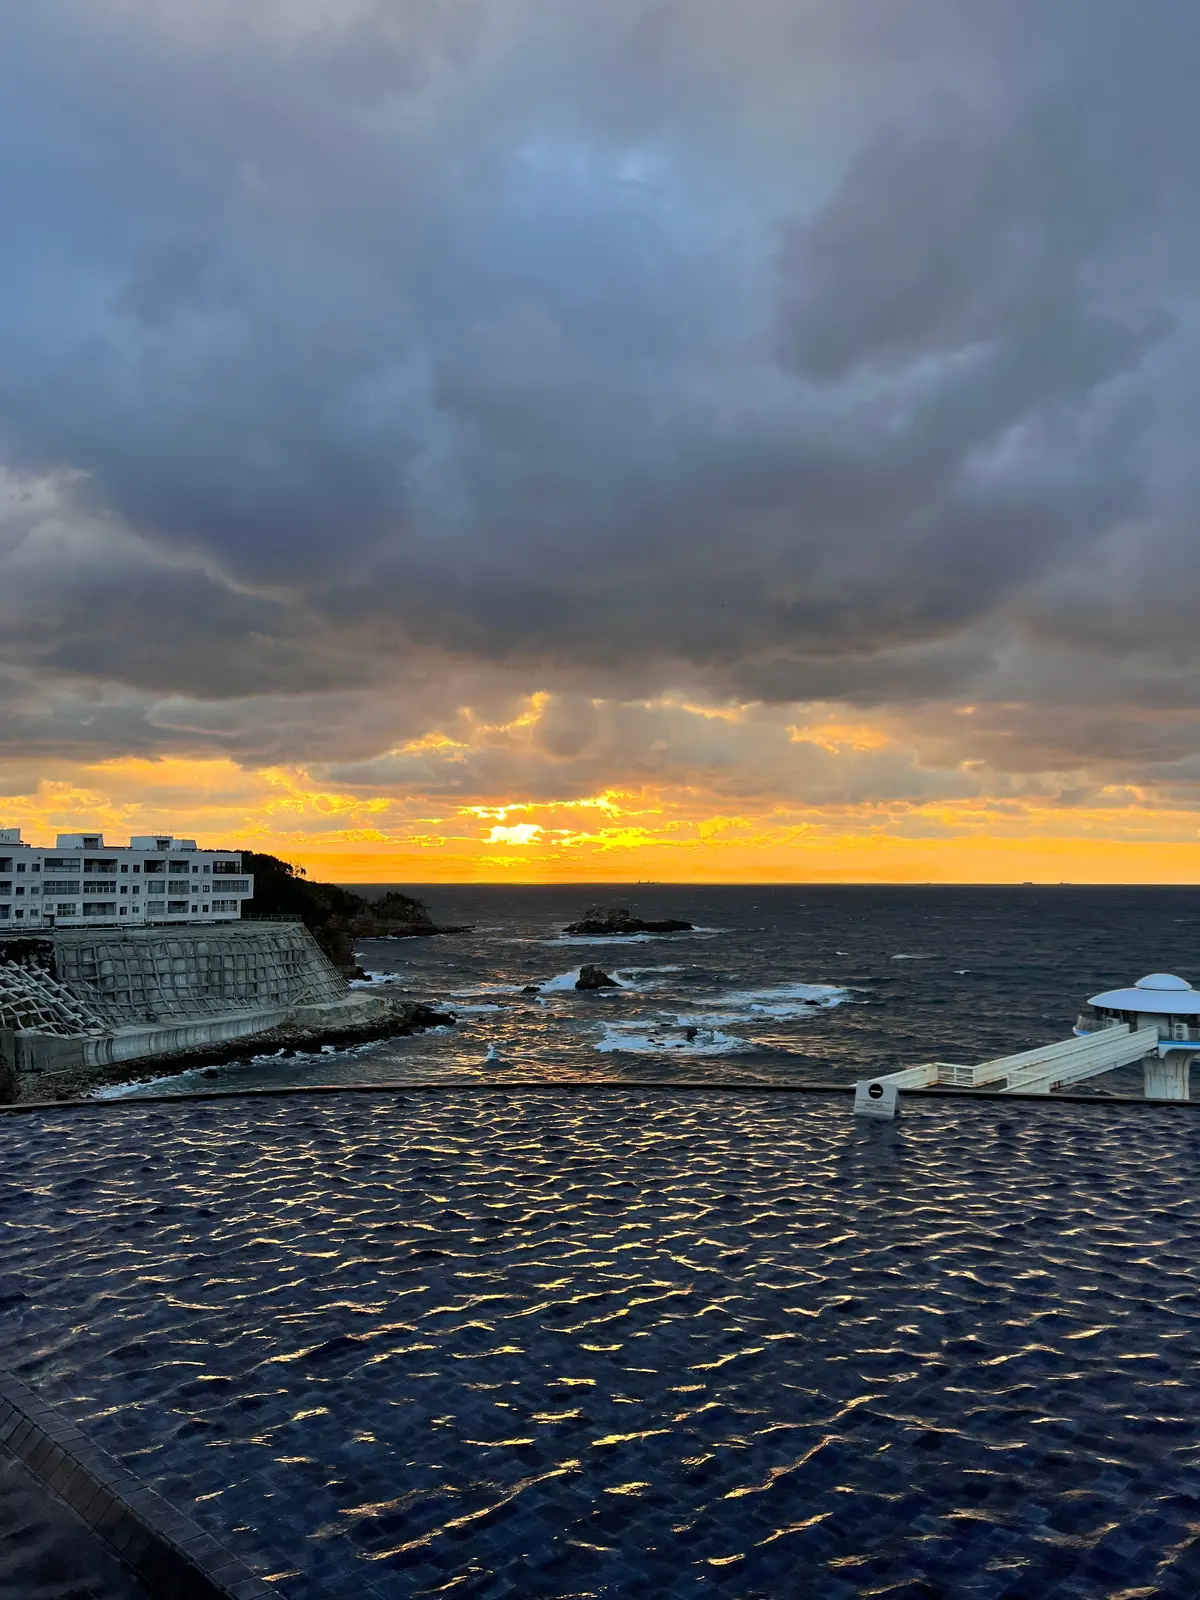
{"type": "Point", "coordinates": [84, 1005]}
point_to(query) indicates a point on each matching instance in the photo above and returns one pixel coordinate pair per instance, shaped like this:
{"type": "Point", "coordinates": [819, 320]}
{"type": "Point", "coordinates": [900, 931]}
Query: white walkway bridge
{"type": "Point", "coordinates": [1156, 1022]}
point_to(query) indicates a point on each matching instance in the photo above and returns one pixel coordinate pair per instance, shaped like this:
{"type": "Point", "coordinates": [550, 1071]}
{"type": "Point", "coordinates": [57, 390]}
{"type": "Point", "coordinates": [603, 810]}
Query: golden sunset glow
{"type": "Point", "coordinates": [679, 833]}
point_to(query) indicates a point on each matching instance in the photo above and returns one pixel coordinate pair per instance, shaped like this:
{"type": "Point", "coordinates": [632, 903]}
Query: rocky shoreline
{"type": "Point", "coordinates": [334, 915]}
{"type": "Point", "coordinates": [402, 1019]}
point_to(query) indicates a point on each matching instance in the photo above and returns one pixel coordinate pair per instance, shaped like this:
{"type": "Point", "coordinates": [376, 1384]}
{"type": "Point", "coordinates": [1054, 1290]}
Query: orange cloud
{"type": "Point", "coordinates": [679, 832]}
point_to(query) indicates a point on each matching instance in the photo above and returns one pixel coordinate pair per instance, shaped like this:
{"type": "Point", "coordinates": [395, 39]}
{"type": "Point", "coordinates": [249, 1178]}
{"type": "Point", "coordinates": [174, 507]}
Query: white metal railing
{"type": "Point", "coordinates": [1088, 1022]}
{"type": "Point", "coordinates": [1036, 1071]}
{"type": "Point", "coordinates": [1168, 1028]}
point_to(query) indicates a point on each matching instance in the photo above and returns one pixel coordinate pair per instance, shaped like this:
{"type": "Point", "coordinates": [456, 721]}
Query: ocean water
{"type": "Point", "coordinates": [776, 984]}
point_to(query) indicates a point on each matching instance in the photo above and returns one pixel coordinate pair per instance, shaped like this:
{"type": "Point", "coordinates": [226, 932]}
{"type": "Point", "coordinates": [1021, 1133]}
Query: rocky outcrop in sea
{"type": "Point", "coordinates": [602, 921]}
{"type": "Point", "coordinates": [592, 977]}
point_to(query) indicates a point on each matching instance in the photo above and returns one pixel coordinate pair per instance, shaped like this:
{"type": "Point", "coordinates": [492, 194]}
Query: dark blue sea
{"type": "Point", "coordinates": [785, 984]}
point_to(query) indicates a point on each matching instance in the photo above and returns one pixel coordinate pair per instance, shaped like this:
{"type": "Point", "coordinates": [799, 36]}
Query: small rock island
{"type": "Point", "coordinates": [591, 977]}
{"type": "Point", "coordinates": [601, 921]}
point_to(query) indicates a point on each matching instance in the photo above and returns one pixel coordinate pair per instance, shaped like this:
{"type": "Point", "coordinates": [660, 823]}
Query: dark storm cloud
{"type": "Point", "coordinates": [797, 351]}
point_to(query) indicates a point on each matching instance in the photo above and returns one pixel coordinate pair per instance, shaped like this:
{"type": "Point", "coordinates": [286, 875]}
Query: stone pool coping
{"type": "Point", "coordinates": [571, 1085]}
{"type": "Point", "coordinates": [173, 1558]}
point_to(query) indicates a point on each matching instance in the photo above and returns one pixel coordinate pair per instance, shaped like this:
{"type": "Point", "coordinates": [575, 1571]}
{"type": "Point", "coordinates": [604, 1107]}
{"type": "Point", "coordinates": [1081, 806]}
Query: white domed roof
{"type": "Point", "coordinates": [1158, 994]}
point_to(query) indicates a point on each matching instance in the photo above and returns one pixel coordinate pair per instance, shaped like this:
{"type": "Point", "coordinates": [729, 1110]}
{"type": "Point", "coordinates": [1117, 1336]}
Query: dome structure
{"type": "Point", "coordinates": [1157, 994]}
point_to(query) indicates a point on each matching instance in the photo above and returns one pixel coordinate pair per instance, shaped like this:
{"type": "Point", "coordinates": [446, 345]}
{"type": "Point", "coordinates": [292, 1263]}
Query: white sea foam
{"type": "Point", "coordinates": [642, 980]}
{"type": "Point", "coordinates": [781, 1002]}
{"type": "Point", "coordinates": [121, 1091]}
{"type": "Point", "coordinates": [560, 984]}
{"type": "Point", "coordinates": [918, 955]}
{"type": "Point", "coordinates": [374, 978]}
{"type": "Point", "coordinates": [635, 1039]}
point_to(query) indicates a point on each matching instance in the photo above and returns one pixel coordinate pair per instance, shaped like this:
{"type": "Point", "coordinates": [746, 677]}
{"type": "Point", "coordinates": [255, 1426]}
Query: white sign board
{"type": "Point", "coordinates": [876, 1097]}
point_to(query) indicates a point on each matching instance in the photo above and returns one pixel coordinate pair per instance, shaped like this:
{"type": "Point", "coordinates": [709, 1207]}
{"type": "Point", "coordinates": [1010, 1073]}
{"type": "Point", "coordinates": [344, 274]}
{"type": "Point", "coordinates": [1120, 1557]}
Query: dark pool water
{"type": "Point", "coordinates": [631, 1344]}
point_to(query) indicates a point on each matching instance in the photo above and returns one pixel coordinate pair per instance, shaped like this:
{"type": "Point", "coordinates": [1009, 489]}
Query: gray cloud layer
{"type": "Point", "coordinates": [414, 350]}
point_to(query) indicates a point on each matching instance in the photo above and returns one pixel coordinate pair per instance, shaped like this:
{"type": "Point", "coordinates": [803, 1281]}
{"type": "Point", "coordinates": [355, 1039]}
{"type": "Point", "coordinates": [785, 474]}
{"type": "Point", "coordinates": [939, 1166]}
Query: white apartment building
{"type": "Point", "coordinates": [83, 882]}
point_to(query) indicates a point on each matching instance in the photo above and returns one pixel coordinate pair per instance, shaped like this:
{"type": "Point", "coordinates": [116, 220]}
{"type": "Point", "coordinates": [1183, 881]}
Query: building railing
{"type": "Point", "coordinates": [1179, 1032]}
{"type": "Point", "coordinates": [1182, 1033]}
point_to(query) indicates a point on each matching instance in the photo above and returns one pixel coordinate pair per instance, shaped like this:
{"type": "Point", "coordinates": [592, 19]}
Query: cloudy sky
{"type": "Point", "coordinates": [452, 439]}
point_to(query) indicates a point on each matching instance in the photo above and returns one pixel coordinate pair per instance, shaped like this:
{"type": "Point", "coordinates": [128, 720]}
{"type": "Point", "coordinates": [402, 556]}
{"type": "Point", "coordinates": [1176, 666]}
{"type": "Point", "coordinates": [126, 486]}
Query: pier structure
{"type": "Point", "coordinates": [1156, 1021]}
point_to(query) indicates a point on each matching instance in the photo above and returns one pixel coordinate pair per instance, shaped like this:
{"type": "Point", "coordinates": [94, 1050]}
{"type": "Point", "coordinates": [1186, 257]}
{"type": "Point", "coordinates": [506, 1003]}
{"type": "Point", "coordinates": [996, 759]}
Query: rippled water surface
{"type": "Point", "coordinates": [775, 984]}
{"type": "Point", "coordinates": [492, 1343]}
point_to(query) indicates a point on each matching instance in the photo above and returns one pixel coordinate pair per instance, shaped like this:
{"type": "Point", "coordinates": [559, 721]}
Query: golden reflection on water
{"type": "Point", "coordinates": [649, 1344]}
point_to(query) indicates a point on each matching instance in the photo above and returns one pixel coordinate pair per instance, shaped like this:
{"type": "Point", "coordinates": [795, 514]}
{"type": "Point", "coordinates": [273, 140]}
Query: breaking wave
{"type": "Point", "coordinates": [634, 1038]}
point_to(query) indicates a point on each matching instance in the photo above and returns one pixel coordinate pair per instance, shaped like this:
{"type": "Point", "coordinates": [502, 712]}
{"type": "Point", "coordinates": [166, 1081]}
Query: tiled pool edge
{"type": "Point", "coordinates": [583, 1085]}
{"type": "Point", "coordinates": [171, 1556]}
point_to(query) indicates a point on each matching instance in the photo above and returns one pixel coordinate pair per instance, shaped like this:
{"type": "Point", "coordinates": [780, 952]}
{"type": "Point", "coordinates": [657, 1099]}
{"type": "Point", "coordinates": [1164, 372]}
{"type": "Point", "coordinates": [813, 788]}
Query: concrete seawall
{"type": "Point", "coordinates": [77, 1001]}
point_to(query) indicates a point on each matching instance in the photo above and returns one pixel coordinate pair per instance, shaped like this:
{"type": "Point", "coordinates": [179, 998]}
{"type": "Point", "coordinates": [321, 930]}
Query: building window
{"type": "Point", "coordinates": [62, 886]}
{"type": "Point", "coordinates": [177, 867]}
{"type": "Point", "coordinates": [225, 905]}
{"type": "Point", "coordinates": [5, 913]}
{"type": "Point", "coordinates": [67, 910]}
{"type": "Point", "coordinates": [99, 908]}
{"type": "Point", "coordinates": [156, 888]}
{"type": "Point", "coordinates": [177, 908]}
{"type": "Point", "coordinates": [155, 866]}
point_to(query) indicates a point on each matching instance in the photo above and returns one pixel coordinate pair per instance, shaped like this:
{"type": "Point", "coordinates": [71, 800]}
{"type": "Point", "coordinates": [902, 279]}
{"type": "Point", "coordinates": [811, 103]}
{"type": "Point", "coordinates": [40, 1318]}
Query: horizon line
{"type": "Point", "coordinates": [764, 883]}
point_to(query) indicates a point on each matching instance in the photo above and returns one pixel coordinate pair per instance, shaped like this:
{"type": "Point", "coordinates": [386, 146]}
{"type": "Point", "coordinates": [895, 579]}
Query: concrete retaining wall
{"type": "Point", "coordinates": [142, 993]}
{"type": "Point", "coordinates": [140, 975]}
